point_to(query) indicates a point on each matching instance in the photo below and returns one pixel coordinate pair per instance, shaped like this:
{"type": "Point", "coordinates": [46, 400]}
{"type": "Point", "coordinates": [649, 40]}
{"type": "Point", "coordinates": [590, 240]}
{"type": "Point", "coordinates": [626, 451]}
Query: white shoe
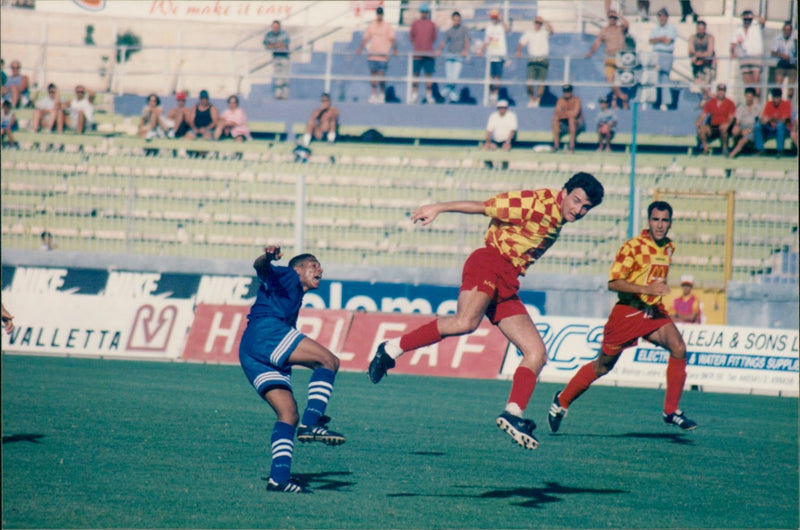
{"type": "Point", "coordinates": [381, 98]}
{"type": "Point", "coordinates": [373, 99]}
{"type": "Point", "coordinates": [413, 98]}
{"type": "Point", "coordinates": [532, 104]}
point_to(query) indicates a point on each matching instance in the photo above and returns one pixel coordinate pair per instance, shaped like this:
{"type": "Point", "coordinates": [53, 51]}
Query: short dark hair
{"type": "Point", "coordinates": [233, 97]}
{"type": "Point", "coordinates": [300, 259]}
{"type": "Point", "coordinates": [46, 234]}
{"type": "Point", "coordinates": [661, 206]}
{"type": "Point", "coordinates": [158, 99]}
{"type": "Point", "coordinates": [455, 13]}
{"type": "Point", "coordinates": [589, 184]}
{"type": "Point", "coordinates": [776, 93]}
{"type": "Point", "coordinates": [701, 23]}
{"type": "Point", "coordinates": [750, 90]}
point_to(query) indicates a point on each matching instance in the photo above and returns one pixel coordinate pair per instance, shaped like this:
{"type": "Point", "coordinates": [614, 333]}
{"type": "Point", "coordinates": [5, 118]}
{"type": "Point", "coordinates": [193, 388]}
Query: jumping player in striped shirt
{"type": "Point", "coordinates": [524, 225]}
{"type": "Point", "coordinates": [271, 344]}
{"type": "Point", "coordinates": [639, 276]}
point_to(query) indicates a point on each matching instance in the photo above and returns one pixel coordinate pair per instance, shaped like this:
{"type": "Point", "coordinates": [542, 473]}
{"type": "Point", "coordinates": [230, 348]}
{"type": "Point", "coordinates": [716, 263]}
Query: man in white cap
{"type": "Point", "coordinates": [495, 48]}
{"type": "Point", "coordinates": [686, 308]}
{"type": "Point", "coordinates": [501, 128]}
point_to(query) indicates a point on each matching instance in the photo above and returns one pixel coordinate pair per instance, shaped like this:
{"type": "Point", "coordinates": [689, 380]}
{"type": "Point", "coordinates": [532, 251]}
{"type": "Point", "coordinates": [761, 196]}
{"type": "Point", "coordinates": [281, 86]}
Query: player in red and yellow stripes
{"type": "Point", "coordinates": [524, 225]}
{"type": "Point", "coordinates": [639, 277]}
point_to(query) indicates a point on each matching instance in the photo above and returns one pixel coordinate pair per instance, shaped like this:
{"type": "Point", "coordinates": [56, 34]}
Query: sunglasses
{"type": "Point", "coordinates": [15, 67]}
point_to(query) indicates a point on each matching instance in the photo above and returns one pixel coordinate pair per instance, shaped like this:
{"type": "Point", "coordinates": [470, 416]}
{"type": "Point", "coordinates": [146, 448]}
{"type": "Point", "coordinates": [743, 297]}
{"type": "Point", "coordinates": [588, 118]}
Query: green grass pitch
{"type": "Point", "coordinates": [93, 443]}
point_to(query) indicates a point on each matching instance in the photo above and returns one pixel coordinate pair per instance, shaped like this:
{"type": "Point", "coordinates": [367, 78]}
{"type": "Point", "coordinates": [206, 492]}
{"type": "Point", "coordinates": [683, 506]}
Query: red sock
{"type": "Point", "coordinates": [522, 387]}
{"type": "Point", "coordinates": [579, 383]}
{"type": "Point", "coordinates": [676, 377]}
{"type": "Point", "coordinates": [422, 336]}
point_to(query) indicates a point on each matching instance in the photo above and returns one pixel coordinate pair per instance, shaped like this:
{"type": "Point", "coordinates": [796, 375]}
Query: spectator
{"type": "Point", "coordinates": [747, 44]}
{"type": "Point", "coordinates": [277, 41]}
{"type": "Point", "coordinates": [16, 87]}
{"type": "Point", "coordinates": [323, 123]}
{"type": "Point", "coordinates": [202, 119]}
{"type": "Point", "coordinates": [784, 47]}
{"type": "Point", "coordinates": [79, 114]}
{"type": "Point", "coordinates": [662, 38]}
{"type": "Point", "coordinates": [538, 43]}
{"type": "Point", "coordinates": [423, 36]}
{"type": "Point", "coordinates": [612, 37]}
{"type": "Point", "coordinates": [606, 125]}
{"type": "Point", "coordinates": [687, 11]}
{"type": "Point", "coordinates": [177, 121]}
{"type": "Point", "coordinates": [151, 121]}
{"type": "Point", "coordinates": [233, 122]}
{"type": "Point", "coordinates": [501, 128]}
{"type": "Point", "coordinates": [47, 241]}
{"type": "Point", "coordinates": [456, 47]}
{"type": "Point", "coordinates": [48, 113]}
{"type": "Point", "coordinates": [702, 54]}
{"type": "Point", "coordinates": [8, 125]}
{"type": "Point", "coordinates": [686, 308]}
{"type": "Point", "coordinates": [380, 40]}
{"type": "Point", "coordinates": [716, 120]}
{"type": "Point", "coordinates": [567, 118]}
{"type": "Point", "coordinates": [743, 131]}
{"type": "Point", "coordinates": [774, 121]}
{"type": "Point", "coordinates": [643, 7]}
{"type": "Point", "coordinates": [495, 49]}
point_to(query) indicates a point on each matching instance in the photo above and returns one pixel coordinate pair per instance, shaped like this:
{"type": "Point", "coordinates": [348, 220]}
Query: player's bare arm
{"type": "Point", "coordinates": [271, 253]}
{"type": "Point", "coordinates": [658, 287]}
{"type": "Point", "coordinates": [426, 213]}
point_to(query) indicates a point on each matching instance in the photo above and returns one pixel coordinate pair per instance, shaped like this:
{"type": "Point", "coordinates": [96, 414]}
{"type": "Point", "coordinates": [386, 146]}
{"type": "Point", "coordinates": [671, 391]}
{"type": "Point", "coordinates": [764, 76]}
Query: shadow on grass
{"type": "Point", "coordinates": [32, 438]}
{"type": "Point", "coordinates": [321, 481]}
{"type": "Point", "coordinates": [679, 438]}
{"type": "Point", "coordinates": [530, 497]}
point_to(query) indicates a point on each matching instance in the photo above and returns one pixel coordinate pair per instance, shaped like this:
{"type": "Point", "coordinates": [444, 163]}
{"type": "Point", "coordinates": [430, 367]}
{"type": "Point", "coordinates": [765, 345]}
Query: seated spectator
{"type": "Point", "coordinates": [177, 121]}
{"type": "Point", "coordinates": [323, 123]}
{"type": "Point", "coordinates": [151, 122]}
{"type": "Point", "coordinates": [702, 54]}
{"type": "Point", "coordinates": [501, 129]}
{"type": "Point", "coordinates": [743, 131]}
{"type": "Point", "coordinates": [686, 308]}
{"type": "Point", "coordinates": [16, 87]}
{"type": "Point", "coordinates": [606, 124]}
{"type": "Point", "coordinates": [48, 115]}
{"type": "Point", "coordinates": [9, 125]}
{"type": "Point", "coordinates": [47, 241]}
{"type": "Point", "coordinates": [716, 120]}
{"type": "Point", "coordinates": [79, 113]}
{"type": "Point", "coordinates": [567, 118]}
{"type": "Point", "coordinates": [233, 122]}
{"type": "Point", "coordinates": [202, 119]}
{"type": "Point", "coordinates": [775, 121]}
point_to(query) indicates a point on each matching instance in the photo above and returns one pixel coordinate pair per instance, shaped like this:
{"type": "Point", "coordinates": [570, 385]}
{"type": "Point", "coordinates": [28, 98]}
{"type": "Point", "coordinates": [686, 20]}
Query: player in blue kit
{"type": "Point", "coordinates": [271, 344]}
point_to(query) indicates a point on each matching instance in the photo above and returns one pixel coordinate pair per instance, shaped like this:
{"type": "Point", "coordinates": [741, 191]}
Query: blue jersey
{"type": "Point", "coordinates": [279, 296]}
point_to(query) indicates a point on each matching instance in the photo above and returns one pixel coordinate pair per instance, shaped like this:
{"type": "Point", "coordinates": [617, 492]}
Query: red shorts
{"type": "Point", "coordinates": [627, 324]}
{"type": "Point", "coordinates": [492, 274]}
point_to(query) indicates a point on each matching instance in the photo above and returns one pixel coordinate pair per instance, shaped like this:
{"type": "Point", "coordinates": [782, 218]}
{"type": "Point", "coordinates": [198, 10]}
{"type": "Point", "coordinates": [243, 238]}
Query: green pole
{"type": "Point", "coordinates": [632, 190]}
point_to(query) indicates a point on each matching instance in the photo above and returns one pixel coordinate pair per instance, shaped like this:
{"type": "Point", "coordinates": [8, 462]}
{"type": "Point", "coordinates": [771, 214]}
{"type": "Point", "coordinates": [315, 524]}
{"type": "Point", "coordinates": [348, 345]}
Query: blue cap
{"type": "Point", "coordinates": [204, 94]}
{"type": "Point", "coordinates": [424, 8]}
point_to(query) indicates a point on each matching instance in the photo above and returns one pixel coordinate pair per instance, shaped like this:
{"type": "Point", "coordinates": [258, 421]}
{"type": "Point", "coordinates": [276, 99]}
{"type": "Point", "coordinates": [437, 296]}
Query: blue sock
{"type": "Point", "coordinates": [319, 392]}
{"type": "Point", "coordinates": [282, 447]}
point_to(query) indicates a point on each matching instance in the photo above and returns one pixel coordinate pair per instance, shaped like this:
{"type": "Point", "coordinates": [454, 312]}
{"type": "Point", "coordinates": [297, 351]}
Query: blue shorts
{"type": "Point", "coordinates": [496, 68]}
{"type": "Point", "coordinates": [423, 64]}
{"type": "Point", "coordinates": [264, 353]}
{"type": "Point", "coordinates": [378, 66]}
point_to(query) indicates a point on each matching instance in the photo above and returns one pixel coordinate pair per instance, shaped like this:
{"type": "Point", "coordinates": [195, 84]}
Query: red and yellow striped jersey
{"type": "Point", "coordinates": [524, 224]}
{"type": "Point", "coordinates": [640, 261]}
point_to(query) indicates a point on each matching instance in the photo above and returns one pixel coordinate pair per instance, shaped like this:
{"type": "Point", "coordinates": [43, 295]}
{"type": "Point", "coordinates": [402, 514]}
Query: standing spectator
{"type": "Point", "coordinates": [495, 48]}
{"type": "Point", "coordinates": [775, 121]}
{"type": "Point", "coordinates": [747, 44]}
{"type": "Point", "coordinates": [277, 41]}
{"type": "Point", "coordinates": [501, 128]}
{"type": "Point", "coordinates": [612, 37]}
{"type": "Point", "coordinates": [323, 123]}
{"type": "Point", "coordinates": [538, 42]}
{"type": "Point", "coordinates": [16, 87]}
{"type": "Point", "coordinates": [203, 119]}
{"type": "Point", "coordinates": [662, 38]}
{"type": "Point", "coordinates": [8, 125]}
{"type": "Point", "coordinates": [47, 241]}
{"type": "Point", "coordinates": [151, 120]}
{"type": "Point", "coordinates": [79, 113]}
{"type": "Point", "coordinates": [456, 47]}
{"type": "Point", "coordinates": [177, 121]}
{"type": "Point", "coordinates": [567, 118]}
{"type": "Point", "coordinates": [747, 115]}
{"type": "Point", "coordinates": [716, 120]}
{"type": "Point", "coordinates": [687, 11]}
{"type": "Point", "coordinates": [702, 54]}
{"type": "Point", "coordinates": [48, 113]}
{"type": "Point", "coordinates": [639, 277]}
{"type": "Point", "coordinates": [606, 125]}
{"type": "Point", "coordinates": [380, 40]}
{"type": "Point", "coordinates": [686, 308]}
{"type": "Point", "coordinates": [784, 47]}
{"type": "Point", "coordinates": [423, 36]}
{"type": "Point", "coordinates": [232, 122]}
